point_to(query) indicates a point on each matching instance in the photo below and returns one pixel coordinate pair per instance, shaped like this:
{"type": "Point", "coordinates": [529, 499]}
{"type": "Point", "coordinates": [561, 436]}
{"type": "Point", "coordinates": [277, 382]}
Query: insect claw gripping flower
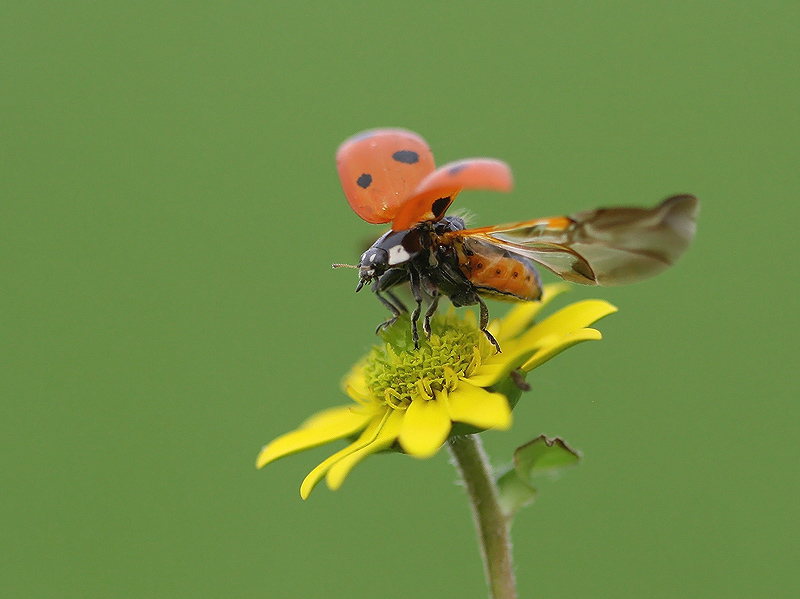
{"type": "Point", "coordinates": [413, 400]}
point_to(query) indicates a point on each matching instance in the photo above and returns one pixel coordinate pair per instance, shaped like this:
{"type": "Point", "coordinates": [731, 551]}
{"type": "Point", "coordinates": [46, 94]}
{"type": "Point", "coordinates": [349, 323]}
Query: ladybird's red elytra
{"type": "Point", "coordinates": [380, 169]}
{"type": "Point", "coordinates": [389, 176]}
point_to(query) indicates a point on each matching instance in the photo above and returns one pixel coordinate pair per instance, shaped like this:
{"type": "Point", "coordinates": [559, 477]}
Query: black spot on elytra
{"type": "Point", "coordinates": [364, 181]}
{"type": "Point", "coordinates": [439, 206]}
{"type": "Point", "coordinates": [406, 156]}
{"type": "Point", "coordinates": [457, 168]}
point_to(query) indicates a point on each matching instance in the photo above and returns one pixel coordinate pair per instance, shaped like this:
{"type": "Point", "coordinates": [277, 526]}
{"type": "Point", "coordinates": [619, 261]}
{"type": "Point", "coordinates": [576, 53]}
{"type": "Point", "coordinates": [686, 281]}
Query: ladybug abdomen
{"type": "Point", "coordinates": [498, 272]}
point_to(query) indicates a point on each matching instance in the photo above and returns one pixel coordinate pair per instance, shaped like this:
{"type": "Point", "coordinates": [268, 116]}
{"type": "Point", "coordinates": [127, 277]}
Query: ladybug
{"type": "Point", "coordinates": [389, 176]}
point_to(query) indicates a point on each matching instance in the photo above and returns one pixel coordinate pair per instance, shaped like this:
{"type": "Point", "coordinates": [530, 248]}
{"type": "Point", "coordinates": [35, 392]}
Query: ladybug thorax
{"type": "Point", "coordinates": [399, 249]}
{"type": "Point", "coordinates": [391, 250]}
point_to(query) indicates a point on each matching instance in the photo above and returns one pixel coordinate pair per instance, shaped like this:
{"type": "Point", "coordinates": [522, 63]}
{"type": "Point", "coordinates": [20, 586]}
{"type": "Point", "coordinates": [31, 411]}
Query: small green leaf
{"type": "Point", "coordinates": [543, 456]}
{"type": "Point", "coordinates": [514, 493]}
{"type": "Point", "coordinates": [540, 456]}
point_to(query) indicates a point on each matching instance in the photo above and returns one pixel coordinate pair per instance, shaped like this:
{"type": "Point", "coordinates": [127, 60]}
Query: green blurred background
{"type": "Point", "coordinates": [170, 209]}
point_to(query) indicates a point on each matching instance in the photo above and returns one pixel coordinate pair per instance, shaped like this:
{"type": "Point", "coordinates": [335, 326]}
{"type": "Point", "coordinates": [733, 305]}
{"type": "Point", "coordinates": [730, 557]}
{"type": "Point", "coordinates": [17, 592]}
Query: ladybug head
{"type": "Point", "coordinates": [373, 264]}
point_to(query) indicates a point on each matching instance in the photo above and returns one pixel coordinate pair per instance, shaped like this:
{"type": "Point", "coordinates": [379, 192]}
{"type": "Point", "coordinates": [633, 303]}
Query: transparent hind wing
{"type": "Point", "coordinates": [607, 246]}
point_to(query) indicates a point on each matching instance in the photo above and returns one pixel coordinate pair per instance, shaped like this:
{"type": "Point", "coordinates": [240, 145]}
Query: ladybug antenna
{"type": "Point", "coordinates": [343, 266]}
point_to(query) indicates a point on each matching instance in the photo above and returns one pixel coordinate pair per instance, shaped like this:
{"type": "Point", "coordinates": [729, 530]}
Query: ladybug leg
{"type": "Point", "coordinates": [416, 291]}
{"type": "Point", "coordinates": [426, 324]}
{"type": "Point", "coordinates": [392, 308]}
{"type": "Point", "coordinates": [393, 304]}
{"type": "Point", "coordinates": [484, 322]}
{"type": "Point", "coordinates": [397, 301]}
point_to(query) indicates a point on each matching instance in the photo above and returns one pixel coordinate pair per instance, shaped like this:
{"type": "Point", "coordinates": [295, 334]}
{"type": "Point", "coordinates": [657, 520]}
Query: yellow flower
{"type": "Point", "coordinates": [413, 400]}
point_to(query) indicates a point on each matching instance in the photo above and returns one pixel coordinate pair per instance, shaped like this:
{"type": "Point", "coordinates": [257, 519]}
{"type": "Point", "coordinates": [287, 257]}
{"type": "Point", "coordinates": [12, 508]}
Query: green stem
{"type": "Point", "coordinates": [472, 463]}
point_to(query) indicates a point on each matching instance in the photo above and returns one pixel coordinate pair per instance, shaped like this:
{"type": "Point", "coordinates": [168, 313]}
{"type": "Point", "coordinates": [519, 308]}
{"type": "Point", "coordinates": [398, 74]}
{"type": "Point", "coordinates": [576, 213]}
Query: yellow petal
{"type": "Point", "coordinates": [522, 314]}
{"type": "Point", "coordinates": [479, 407]}
{"type": "Point", "coordinates": [498, 366]}
{"type": "Point", "coordinates": [330, 417]}
{"type": "Point", "coordinates": [425, 427]}
{"type": "Point", "coordinates": [552, 291]}
{"type": "Point", "coordinates": [470, 318]}
{"type": "Point", "coordinates": [324, 427]}
{"type": "Point", "coordinates": [367, 437]}
{"type": "Point", "coordinates": [572, 318]}
{"type": "Point", "coordinates": [554, 346]}
{"type": "Point", "coordinates": [355, 378]}
{"type": "Point", "coordinates": [360, 395]}
{"type": "Point", "coordinates": [386, 436]}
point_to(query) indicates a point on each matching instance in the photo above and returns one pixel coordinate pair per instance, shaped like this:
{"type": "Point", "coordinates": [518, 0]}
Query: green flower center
{"type": "Point", "coordinates": [396, 372]}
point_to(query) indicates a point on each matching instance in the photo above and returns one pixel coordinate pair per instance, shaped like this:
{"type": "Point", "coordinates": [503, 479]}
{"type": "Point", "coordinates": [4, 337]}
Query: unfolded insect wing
{"type": "Point", "coordinates": [436, 192]}
{"type": "Point", "coordinates": [608, 246]}
{"type": "Point", "coordinates": [380, 169]}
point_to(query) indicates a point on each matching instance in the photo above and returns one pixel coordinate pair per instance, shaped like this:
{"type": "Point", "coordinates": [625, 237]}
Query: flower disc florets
{"type": "Point", "coordinates": [397, 373]}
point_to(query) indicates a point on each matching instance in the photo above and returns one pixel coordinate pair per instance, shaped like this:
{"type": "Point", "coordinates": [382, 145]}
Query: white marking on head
{"type": "Point", "coordinates": [398, 255]}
